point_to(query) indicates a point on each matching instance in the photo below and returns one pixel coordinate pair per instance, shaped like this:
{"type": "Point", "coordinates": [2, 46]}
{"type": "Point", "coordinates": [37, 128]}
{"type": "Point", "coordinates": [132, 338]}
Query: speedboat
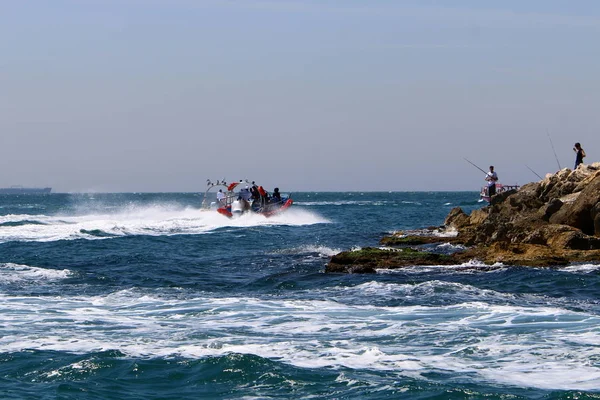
{"type": "Point", "coordinates": [500, 188]}
{"type": "Point", "coordinates": [250, 198]}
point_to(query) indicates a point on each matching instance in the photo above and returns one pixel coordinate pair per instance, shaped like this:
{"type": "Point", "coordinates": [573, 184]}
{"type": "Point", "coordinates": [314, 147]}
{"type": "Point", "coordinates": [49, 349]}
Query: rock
{"type": "Point", "coordinates": [531, 189]}
{"type": "Point", "coordinates": [550, 208]}
{"type": "Point", "coordinates": [574, 240]}
{"type": "Point", "coordinates": [535, 237]}
{"type": "Point", "coordinates": [411, 240]}
{"type": "Point", "coordinates": [547, 223]}
{"type": "Point", "coordinates": [456, 218]}
{"type": "Point", "coordinates": [524, 201]}
{"type": "Point", "coordinates": [584, 182]}
{"type": "Point", "coordinates": [500, 197]}
{"type": "Point", "coordinates": [478, 216]}
{"type": "Point", "coordinates": [579, 213]}
{"type": "Point", "coordinates": [527, 255]}
{"type": "Point", "coordinates": [595, 214]}
{"type": "Point", "coordinates": [369, 259]}
{"type": "Point", "coordinates": [570, 198]}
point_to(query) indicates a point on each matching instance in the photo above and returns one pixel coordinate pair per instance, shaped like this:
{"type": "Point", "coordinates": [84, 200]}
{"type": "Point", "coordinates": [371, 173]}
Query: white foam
{"type": "Point", "coordinates": [543, 346]}
{"type": "Point", "coordinates": [10, 273]}
{"type": "Point", "coordinates": [156, 220]}
{"type": "Point", "coordinates": [451, 246]}
{"type": "Point", "coordinates": [450, 232]}
{"type": "Point", "coordinates": [582, 268]}
{"type": "Point", "coordinates": [469, 267]}
{"type": "Point", "coordinates": [323, 251]}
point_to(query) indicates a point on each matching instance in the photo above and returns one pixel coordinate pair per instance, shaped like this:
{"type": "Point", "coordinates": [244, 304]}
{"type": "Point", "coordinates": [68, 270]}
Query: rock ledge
{"type": "Point", "coordinates": [555, 221]}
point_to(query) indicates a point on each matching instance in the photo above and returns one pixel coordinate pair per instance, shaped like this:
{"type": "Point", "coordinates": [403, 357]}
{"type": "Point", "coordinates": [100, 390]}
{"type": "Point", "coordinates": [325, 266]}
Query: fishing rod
{"type": "Point", "coordinates": [534, 172]}
{"type": "Point", "coordinates": [552, 144]}
{"type": "Point", "coordinates": [475, 166]}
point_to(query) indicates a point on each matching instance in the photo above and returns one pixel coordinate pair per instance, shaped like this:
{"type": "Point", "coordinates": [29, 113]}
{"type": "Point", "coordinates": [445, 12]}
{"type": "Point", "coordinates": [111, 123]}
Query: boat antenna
{"type": "Point", "coordinates": [534, 172]}
{"type": "Point", "coordinates": [552, 144]}
{"type": "Point", "coordinates": [475, 166]}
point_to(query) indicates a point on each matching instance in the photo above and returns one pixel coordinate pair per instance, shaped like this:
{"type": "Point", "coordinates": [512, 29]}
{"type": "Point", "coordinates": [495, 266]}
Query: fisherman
{"type": "Point", "coordinates": [491, 177]}
{"type": "Point", "coordinates": [580, 154]}
{"type": "Point", "coordinates": [221, 198]}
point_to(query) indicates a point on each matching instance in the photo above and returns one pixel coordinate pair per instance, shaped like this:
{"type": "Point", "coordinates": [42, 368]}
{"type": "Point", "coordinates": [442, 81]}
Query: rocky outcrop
{"type": "Point", "coordinates": [551, 222]}
{"type": "Point", "coordinates": [581, 213]}
{"type": "Point", "coordinates": [369, 259]}
{"type": "Point", "coordinates": [560, 212]}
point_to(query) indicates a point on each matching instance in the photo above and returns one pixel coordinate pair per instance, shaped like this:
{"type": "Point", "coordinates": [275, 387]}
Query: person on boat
{"type": "Point", "coordinates": [491, 177]}
{"type": "Point", "coordinates": [264, 196]}
{"type": "Point", "coordinates": [580, 154]}
{"type": "Point", "coordinates": [221, 198]}
{"type": "Point", "coordinates": [254, 192]}
{"type": "Point", "coordinates": [245, 193]}
{"type": "Point", "coordinates": [244, 196]}
{"type": "Point", "coordinates": [276, 197]}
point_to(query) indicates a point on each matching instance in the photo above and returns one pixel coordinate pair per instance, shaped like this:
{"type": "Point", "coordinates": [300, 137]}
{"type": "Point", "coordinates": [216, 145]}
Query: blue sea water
{"type": "Point", "coordinates": [146, 296]}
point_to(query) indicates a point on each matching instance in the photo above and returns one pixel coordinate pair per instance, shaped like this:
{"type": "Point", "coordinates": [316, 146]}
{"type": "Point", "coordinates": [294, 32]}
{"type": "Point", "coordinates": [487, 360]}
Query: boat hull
{"type": "Point", "coordinates": [268, 211]}
{"type": "Point", "coordinates": [500, 188]}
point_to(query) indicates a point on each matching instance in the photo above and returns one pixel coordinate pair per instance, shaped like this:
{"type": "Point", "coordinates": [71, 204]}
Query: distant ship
{"type": "Point", "coordinates": [24, 190]}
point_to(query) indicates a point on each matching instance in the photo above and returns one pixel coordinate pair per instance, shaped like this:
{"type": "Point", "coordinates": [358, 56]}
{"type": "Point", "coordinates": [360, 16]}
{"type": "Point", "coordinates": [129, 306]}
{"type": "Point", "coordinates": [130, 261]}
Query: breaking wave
{"type": "Point", "coordinates": [11, 273]}
{"type": "Point", "coordinates": [413, 340]}
{"type": "Point", "coordinates": [156, 220]}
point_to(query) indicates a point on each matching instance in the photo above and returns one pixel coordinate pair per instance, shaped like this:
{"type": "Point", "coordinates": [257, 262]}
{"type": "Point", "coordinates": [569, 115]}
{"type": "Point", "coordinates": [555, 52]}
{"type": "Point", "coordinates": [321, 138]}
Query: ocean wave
{"type": "Point", "coordinates": [18, 218]}
{"type": "Point", "coordinates": [11, 273]}
{"type": "Point", "coordinates": [21, 223]}
{"type": "Point", "coordinates": [582, 268]}
{"type": "Point", "coordinates": [431, 289]}
{"type": "Point", "coordinates": [156, 220]}
{"type": "Point", "coordinates": [449, 247]}
{"type": "Point", "coordinates": [469, 267]}
{"type": "Point", "coordinates": [322, 251]}
{"type": "Point", "coordinates": [499, 344]}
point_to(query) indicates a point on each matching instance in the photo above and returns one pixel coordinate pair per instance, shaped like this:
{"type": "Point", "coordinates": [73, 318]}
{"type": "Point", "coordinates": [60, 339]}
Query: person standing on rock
{"type": "Point", "coordinates": [491, 177]}
{"type": "Point", "coordinates": [580, 154]}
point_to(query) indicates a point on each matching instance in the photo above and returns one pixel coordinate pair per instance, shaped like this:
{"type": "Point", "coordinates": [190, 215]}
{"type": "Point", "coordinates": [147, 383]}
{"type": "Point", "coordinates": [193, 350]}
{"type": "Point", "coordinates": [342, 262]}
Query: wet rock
{"type": "Point", "coordinates": [369, 259]}
{"type": "Point", "coordinates": [411, 240]}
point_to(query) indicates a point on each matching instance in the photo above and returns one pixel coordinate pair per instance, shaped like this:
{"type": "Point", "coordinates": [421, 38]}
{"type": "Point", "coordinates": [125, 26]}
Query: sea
{"type": "Point", "coordinates": [147, 296]}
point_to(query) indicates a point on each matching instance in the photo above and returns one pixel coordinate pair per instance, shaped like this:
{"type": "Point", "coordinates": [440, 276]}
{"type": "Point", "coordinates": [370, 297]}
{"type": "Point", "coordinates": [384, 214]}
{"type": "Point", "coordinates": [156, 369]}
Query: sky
{"type": "Point", "coordinates": [346, 95]}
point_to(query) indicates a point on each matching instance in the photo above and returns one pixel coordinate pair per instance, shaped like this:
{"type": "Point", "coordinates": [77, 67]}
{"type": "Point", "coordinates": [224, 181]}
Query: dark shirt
{"type": "Point", "coordinates": [579, 157]}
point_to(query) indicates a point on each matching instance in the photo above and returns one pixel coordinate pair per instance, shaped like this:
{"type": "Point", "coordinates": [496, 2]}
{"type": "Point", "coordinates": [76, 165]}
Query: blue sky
{"type": "Point", "coordinates": [160, 95]}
